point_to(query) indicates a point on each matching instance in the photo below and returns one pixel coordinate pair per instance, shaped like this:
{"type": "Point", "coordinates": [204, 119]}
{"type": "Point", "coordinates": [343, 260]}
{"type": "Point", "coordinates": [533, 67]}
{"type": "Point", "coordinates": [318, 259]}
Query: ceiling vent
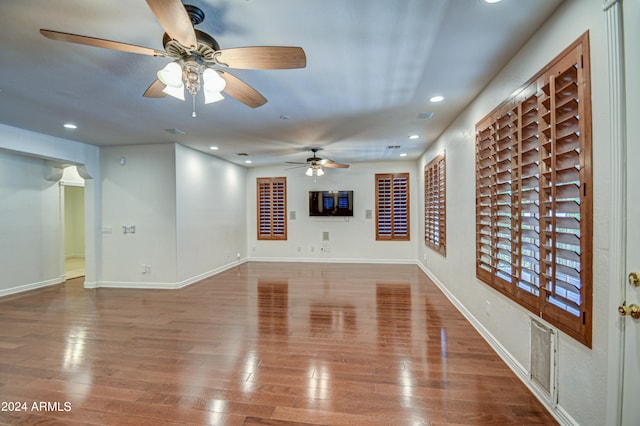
{"type": "Point", "coordinates": [175, 131]}
{"type": "Point", "coordinates": [424, 115]}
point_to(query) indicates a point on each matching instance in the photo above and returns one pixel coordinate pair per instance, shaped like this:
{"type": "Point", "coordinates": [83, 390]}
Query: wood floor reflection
{"type": "Point", "coordinates": [259, 344]}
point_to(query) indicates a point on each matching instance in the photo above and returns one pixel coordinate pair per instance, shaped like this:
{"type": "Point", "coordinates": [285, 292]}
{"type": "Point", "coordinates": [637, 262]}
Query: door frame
{"type": "Point", "coordinates": [62, 183]}
{"type": "Point", "coordinates": [613, 10]}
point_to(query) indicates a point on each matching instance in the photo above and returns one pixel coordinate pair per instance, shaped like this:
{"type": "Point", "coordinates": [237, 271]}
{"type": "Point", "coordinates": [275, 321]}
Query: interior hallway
{"type": "Point", "coordinates": [262, 343]}
{"type": "Point", "coordinates": [74, 267]}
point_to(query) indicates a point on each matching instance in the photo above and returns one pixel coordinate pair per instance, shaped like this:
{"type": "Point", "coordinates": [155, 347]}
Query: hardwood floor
{"type": "Point", "coordinates": [259, 344]}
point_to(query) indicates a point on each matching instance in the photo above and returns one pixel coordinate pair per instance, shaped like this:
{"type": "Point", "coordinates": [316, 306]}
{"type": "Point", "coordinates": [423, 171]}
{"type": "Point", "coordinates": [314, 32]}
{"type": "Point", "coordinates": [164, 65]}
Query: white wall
{"type": "Point", "coordinates": [40, 154]}
{"type": "Point", "coordinates": [29, 225]}
{"type": "Point", "coordinates": [188, 209]}
{"type": "Point", "coordinates": [582, 371]}
{"type": "Point", "coordinates": [210, 214]}
{"type": "Point", "coordinates": [141, 193]}
{"type": "Point", "coordinates": [73, 221]}
{"type": "Point", "coordinates": [350, 239]}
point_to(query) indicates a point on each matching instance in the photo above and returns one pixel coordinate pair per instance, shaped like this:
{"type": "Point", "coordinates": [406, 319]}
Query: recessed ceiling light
{"type": "Point", "coordinates": [247, 161]}
{"type": "Point", "coordinates": [437, 99]}
{"type": "Point", "coordinates": [492, 1]}
{"type": "Point", "coordinates": [70, 126]}
{"type": "Point", "coordinates": [404, 154]}
{"type": "Point", "coordinates": [413, 137]}
{"type": "Point", "coordinates": [213, 148]}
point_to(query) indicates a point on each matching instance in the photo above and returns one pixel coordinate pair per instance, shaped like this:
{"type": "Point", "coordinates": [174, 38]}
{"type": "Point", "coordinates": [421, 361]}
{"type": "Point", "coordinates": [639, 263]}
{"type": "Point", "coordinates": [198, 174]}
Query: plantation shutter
{"type": "Point", "coordinates": [434, 208]}
{"type": "Point", "coordinates": [392, 206]}
{"type": "Point", "coordinates": [272, 208]}
{"type": "Point", "coordinates": [565, 201]}
{"type": "Point", "coordinates": [533, 195]}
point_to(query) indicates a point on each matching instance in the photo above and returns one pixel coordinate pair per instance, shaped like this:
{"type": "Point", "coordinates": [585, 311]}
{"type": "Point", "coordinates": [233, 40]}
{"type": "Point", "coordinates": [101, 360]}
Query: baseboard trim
{"type": "Point", "coordinates": [333, 260]}
{"type": "Point", "coordinates": [163, 285]}
{"type": "Point", "coordinates": [31, 286]}
{"type": "Point", "coordinates": [210, 273]}
{"type": "Point", "coordinates": [520, 371]}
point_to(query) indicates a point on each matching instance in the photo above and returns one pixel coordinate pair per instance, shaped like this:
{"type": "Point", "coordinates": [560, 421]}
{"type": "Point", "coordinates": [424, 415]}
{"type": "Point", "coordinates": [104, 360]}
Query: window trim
{"type": "Point", "coordinates": [392, 236]}
{"type": "Point", "coordinates": [271, 216]}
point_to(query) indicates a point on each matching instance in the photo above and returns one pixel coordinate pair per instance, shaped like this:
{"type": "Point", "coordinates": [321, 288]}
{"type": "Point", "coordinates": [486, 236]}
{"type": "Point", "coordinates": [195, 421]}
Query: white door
{"type": "Point", "coordinates": [631, 374]}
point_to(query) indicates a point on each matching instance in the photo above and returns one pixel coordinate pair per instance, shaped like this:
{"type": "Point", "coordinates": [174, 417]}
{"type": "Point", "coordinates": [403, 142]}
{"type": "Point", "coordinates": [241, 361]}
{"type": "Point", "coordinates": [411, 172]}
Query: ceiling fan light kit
{"type": "Point", "coordinates": [314, 171]}
{"type": "Point", "coordinates": [315, 165]}
{"type": "Point", "coordinates": [198, 61]}
{"type": "Point", "coordinates": [171, 75]}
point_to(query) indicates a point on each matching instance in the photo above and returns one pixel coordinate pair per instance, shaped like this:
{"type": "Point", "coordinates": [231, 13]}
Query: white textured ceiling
{"type": "Point", "coordinates": [372, 66]}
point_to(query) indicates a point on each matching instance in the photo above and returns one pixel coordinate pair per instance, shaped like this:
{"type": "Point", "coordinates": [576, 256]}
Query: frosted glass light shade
{"type": "Point", "coordinates": [213, 85]}
{"type": "Point", "coordinates": [212, 81]}
{"type": "Point", "coordinates": [176, 92]}
{"type": "Point", "coordinates": [211, 97]}
{"type": "Point", "coordinates": [171, 75]}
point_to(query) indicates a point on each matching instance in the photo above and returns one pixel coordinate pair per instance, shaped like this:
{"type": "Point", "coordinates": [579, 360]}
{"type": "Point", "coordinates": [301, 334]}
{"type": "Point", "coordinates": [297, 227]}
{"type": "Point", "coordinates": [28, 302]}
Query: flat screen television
{"type": "Point", "coordinates": [330, 203]}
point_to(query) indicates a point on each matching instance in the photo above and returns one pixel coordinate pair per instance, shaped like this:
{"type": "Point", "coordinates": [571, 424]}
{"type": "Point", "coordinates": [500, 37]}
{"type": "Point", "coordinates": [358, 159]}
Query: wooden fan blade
{"type": "Point", "coordinates": [99, 42]}
{"type": "Point", "coordinates": [241, 91]}
{"type": "Point", "coordinates": [261, 57]}
{"type": "Point", "coordinates": [155, 90]}
{"type": "Point", "coordinates": [175, 20]}
{"type": "Point", "coordinates": [336, 165]}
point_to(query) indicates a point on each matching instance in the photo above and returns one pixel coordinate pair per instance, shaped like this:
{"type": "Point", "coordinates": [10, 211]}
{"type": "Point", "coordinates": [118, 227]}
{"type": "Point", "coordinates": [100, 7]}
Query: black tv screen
{"type": "Point", "coordinates": [330, 203]}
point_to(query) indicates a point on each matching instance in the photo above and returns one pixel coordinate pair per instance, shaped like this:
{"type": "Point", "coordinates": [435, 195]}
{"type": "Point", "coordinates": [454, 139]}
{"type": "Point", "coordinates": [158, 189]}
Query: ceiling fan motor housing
{"type": "Point", "coordinates": [195, 14]}
{"type": "Point", "coordinates": [207, 45]}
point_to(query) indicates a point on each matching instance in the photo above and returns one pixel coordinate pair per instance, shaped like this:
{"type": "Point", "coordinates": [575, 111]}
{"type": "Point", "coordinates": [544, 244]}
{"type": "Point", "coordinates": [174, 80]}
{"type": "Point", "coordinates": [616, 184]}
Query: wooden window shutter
{"type": "Point", "coordinates": [435, 205]}
{"type": "Point", "coordinates": [533, 195]}
{"type": "Point", "coordinates": [565, 192]}
{"type": "Point", "coordinates": [392, 206]}
{"type": "Point", "coordinates": [272, 208]}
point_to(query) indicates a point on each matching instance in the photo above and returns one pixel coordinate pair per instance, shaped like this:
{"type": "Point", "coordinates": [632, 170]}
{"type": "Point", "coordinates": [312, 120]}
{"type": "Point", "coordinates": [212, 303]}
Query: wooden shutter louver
{"type": "Point", "coordinates": [565, 199]}
{"type": "Point", "coordinates": [435, 205]}
{"type": "Point", "coordinates": [533, 195]}
{"type": "Point", "coordinates": [392, 206]}
{"type": "Point", "coordinates": [272, 208]}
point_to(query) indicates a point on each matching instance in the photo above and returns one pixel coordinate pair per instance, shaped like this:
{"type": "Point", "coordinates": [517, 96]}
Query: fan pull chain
{"type": "Point", "coordinates": [193, 98]}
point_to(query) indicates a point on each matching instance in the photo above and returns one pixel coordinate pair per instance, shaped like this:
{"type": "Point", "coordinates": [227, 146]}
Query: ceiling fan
{"type": "Point", "coordinates": [198, 63]}
{"type": "Point", "coordinates": [315, 165]}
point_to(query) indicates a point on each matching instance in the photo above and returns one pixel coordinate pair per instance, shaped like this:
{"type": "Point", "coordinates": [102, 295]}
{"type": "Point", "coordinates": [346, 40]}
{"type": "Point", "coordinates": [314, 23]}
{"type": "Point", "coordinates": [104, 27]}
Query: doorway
{"type": "Point", "coordinates": [72, 203]}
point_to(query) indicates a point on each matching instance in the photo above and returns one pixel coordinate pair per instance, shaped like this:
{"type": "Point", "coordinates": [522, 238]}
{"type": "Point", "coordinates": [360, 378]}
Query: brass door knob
{"type": "Point", "coordinates": [632, 310]}
{"type": "Point", "coordinates": [634, 279]}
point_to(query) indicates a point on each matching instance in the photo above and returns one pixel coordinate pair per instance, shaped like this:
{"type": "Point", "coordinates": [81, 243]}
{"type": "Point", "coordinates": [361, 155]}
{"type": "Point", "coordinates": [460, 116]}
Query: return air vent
{"type": "Point", "coordinates": [543, 360]}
